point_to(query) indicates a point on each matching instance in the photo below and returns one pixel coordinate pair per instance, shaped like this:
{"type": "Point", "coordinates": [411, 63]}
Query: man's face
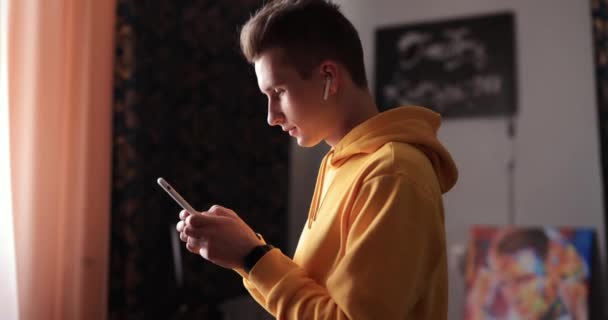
{"type": "Point", "coordinates": [294, 103]}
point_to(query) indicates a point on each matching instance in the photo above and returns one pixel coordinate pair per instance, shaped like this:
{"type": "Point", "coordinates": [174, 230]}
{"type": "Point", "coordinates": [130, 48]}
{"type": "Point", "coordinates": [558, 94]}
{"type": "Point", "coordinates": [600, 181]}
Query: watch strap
{"type": "Point", "coordinates": [255, 255]}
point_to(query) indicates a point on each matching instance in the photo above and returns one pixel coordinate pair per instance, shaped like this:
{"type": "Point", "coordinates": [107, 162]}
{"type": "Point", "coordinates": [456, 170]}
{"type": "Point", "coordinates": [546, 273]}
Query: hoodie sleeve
{"type": "Point", "coordinates": [392, 254]}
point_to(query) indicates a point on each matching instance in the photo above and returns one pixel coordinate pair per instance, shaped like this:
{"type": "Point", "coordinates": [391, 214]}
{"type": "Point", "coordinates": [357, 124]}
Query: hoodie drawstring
{"type": "Point", "coordinates": [316, 201]}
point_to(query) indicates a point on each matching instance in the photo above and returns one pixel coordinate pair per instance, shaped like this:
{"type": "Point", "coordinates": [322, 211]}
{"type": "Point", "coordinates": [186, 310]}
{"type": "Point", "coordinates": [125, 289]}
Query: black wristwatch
{"type": "Point", "coordinates": [255, 255]}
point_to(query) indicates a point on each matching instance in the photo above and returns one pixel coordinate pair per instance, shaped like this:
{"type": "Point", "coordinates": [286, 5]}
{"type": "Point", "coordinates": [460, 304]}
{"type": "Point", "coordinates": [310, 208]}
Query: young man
{"type": "Point", "coordinates": [374, 244]}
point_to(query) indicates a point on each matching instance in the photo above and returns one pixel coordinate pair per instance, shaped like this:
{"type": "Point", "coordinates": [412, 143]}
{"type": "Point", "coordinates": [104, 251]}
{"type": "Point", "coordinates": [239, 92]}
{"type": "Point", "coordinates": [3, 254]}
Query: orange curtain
{"type": "Point", "coordinates": [60, 105]}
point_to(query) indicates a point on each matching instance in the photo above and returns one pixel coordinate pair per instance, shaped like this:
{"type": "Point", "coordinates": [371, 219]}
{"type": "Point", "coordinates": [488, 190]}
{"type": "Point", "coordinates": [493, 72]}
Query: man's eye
{"type": "Point", "coordinates": [278, 92]}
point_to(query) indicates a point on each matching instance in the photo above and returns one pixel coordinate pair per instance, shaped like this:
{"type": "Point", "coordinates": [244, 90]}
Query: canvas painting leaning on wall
{"type": "Point", "coordinates": [528, 273]}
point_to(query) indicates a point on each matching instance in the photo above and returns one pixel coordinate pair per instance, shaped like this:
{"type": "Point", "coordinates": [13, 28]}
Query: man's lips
{"type": "Point", "coordinates": [291, 130]}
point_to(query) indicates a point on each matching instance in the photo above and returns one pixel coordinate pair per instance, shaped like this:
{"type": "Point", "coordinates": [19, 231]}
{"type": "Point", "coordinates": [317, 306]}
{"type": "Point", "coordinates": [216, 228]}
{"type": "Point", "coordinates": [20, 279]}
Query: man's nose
{"type": "Point", "coordinates": [275, 117]}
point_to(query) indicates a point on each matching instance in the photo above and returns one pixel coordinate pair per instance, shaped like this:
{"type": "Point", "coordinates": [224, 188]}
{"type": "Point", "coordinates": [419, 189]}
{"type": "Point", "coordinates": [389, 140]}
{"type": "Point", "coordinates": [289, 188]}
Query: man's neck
{"type": "Point", "coordinates": [355, 109]}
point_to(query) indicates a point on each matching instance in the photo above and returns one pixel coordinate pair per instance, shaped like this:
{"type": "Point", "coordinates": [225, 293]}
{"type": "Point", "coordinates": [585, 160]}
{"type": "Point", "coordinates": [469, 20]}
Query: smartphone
{"type": "Point", "coordinates": [175, 195]}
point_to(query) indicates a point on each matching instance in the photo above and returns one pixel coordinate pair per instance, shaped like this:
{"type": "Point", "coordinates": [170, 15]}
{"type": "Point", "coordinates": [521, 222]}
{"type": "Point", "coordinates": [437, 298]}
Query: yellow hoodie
{"type": "Point", "coordinates": [374, 245]}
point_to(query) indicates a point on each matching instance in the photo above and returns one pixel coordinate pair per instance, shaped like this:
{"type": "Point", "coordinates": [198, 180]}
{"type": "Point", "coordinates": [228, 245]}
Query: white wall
{"type": "Point", "coordinates": [557, 179]}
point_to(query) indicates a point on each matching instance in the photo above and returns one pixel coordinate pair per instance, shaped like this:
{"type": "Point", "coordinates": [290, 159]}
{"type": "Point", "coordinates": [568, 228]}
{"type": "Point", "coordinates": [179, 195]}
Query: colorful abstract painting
{"type": "Point", "coordinates": [528, 273]}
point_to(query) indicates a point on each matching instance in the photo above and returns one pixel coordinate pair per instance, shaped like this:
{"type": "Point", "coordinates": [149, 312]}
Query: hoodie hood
{"type": "Point", "coordinates": [413, 125]}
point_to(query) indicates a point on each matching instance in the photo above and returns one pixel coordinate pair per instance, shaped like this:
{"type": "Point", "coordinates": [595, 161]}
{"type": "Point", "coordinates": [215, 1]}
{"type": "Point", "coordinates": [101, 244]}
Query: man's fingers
{"type": "Point", "coordinates": [194, 232]}
{"type": "Point", "coordinates": [192, 248]}
{"type": "Point", "coordinates": [194, 245]}
{"type": "Point", "coordinates": [183, 214]}
{"type": "Point", "coordinates": [215, 207]}
{"type": "Point", "coordinates": [220, 211]}
{"type": "Point", "coordinates": [180, 226]}
{"type": "Point", "coordinates": [199, 220]}
{"type": "Point", "coordinates": [183, 237]}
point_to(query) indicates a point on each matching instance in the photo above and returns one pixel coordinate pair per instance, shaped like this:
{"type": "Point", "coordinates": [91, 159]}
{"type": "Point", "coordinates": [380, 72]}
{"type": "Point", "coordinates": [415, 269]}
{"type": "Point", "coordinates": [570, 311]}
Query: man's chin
{"type": "Point", "coordinates": [306, 143]}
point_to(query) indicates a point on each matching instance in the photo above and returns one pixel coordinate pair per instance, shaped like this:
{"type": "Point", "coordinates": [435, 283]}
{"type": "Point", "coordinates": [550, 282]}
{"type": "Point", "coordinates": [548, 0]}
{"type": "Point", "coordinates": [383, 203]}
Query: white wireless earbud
{"type": "Point", "coordinates": [326, 89]}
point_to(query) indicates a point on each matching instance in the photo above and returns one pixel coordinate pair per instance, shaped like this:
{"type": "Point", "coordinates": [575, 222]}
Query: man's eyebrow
{"type": "Point", "coordinates": [270, 87]}
{"type": "Point", "coordinates": [277, 80]}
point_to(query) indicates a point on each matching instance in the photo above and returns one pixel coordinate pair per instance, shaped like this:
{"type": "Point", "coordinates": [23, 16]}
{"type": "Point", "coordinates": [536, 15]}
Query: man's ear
{"type": "Point", "coordinates": [329, 72]}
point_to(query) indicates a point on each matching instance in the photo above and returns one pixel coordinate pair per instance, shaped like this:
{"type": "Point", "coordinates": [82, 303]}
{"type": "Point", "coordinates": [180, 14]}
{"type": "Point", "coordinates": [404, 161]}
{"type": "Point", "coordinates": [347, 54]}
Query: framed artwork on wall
{"type": "Point", "coordinates": [461, 67]}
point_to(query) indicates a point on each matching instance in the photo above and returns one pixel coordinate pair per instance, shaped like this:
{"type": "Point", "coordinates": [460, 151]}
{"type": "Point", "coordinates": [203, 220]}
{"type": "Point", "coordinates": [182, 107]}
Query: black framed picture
{"type": "Point", "coordinates": [462, 67]}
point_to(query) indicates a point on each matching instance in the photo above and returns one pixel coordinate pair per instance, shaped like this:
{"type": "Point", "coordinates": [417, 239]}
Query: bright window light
{"type": "Point", "coordinates": [8, 275]}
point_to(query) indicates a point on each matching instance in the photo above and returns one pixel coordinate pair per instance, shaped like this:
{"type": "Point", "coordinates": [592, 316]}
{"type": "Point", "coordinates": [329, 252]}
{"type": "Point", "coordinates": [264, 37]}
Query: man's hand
{"type": "Point", "coordinates": [218, 235]}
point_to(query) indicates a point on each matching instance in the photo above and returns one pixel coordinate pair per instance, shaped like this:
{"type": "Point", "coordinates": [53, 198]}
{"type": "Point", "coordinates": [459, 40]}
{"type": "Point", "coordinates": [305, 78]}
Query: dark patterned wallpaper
{"type": "Point", "coordinates": [187, 108]}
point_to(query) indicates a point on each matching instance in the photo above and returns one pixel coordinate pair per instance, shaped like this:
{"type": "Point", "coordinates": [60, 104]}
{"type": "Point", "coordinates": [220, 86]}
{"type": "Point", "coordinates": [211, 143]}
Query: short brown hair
{"type": "Point", "coordinates": [309, 31]}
